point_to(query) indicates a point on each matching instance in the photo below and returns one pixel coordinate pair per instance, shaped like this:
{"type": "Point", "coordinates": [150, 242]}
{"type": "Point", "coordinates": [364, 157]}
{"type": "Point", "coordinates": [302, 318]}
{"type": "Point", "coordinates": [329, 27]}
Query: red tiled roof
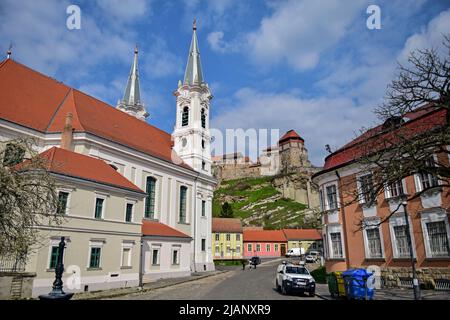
{"type": "Point", "coordinates": [226, 225]}
{"type": "Point", "coordinates": [424, 119]}
{"type": "Point", "coordinates": [290, 135]}
{"type": "Point", "coordinates": [264, 236]}
{"type": "Point", "coordinates": [302, 234]}
{"type": "Point", "coordinates": [77, 165]}
{"type": "Point", "coordinates": [154, 228]}
{"type": "Point", "coordinates": [36, 101]}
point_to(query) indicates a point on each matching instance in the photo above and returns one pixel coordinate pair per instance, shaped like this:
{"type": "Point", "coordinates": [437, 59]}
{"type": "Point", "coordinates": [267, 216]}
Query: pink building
{"type": "Point", "coordinates": [264, 243]}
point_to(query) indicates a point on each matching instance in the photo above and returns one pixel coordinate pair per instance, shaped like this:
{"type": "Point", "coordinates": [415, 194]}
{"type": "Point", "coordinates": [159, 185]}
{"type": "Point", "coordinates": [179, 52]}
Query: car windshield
{"type": "Point", "coordinates": [296, 270]}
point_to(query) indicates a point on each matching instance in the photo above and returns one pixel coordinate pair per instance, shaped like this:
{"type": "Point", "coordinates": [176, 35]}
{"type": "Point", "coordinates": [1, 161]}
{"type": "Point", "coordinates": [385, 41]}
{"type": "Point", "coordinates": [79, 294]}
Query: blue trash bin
{"type": "Point", "coordinates": [355, 281]}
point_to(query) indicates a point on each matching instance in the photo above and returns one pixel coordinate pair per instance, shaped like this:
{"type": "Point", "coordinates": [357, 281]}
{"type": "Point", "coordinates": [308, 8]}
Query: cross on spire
{"type": "Point", "coordinates": [193, 74]}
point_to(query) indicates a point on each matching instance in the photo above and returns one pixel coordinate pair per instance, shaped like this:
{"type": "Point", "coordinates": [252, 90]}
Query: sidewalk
{"type": "Point", "coordinates": [161, 283]}
{"type": "Point", "coordinates": [389, 294]}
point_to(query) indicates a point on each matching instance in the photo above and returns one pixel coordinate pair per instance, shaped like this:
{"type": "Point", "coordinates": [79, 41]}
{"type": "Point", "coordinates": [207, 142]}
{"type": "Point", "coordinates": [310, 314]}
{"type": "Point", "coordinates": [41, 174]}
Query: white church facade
{"type": "Point", "coordinates": [171, 170]}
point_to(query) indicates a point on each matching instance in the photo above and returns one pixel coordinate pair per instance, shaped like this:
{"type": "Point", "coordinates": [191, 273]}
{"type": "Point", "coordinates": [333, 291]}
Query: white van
{"type": "Point", "coordinates": [295, 252]}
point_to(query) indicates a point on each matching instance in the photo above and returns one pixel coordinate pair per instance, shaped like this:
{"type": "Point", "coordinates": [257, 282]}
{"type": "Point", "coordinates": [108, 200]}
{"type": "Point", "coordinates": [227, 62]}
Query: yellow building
{"type": "Point", "coordinates": [308, 239]}
{"type": "Point", "coordinates": [227, 239]}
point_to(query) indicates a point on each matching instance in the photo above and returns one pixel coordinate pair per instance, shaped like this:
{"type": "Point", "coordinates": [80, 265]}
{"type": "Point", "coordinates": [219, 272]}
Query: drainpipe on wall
{"type": "Point", "coordinates": [195, 220]}
{"type": "Point", "coordinates": [344, 223]}
{"type": "Point", "coordinates": [141, 269]}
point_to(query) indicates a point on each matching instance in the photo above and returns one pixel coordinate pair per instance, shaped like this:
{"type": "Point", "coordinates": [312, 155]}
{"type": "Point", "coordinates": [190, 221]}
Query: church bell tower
{"type": "Point", "coordinates": [192, 138]}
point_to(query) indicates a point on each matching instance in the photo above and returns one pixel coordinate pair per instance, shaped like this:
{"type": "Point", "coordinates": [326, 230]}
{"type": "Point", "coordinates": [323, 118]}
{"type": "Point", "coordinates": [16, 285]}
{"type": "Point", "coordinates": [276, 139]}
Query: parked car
{"type": "Point", "coordinates": [254, 261]}
{"type": "Point", "coordinates": [292, 278]}
{"type": "Point", "coordinates": [295, 252]}
{"type": "Point", "coordinates": [312, 256]}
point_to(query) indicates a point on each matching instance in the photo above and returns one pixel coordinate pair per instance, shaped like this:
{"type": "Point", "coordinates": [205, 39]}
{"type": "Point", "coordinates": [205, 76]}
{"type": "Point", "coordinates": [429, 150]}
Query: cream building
{"type": "Point", "coordinates": [102, 218]}
{"type": "Point", "coordinates": [174, 170]}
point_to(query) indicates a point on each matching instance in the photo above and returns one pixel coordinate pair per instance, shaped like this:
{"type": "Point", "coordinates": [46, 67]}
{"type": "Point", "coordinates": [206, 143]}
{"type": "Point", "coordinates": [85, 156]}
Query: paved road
{"type": "Point", "coordinates": [251, 284]}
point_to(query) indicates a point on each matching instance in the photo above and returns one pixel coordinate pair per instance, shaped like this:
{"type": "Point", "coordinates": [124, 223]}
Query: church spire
{"type": "Point", "coordinates": [193, 74]}
{"type": "Point", "coordinates": [131, 102]}
{"type": "Point", "coordinates": [132, 92]}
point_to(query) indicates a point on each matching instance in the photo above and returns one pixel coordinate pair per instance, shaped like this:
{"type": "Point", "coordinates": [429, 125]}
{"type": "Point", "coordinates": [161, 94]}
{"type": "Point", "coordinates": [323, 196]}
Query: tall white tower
{"type": "Point", "coordinates": [192, 139]}
{"type": "Point", "coordinates": [131, 102]}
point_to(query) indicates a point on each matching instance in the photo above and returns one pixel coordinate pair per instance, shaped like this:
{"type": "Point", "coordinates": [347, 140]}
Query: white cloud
{"type": "Point", "coordinates": [42, 41]}
{"type": "Point", "coordinates": [429, 37]}
{"type": "Point", "coordinates": [299, 31]}
{"type": "Point", "coordinates": [158, 61]}
{"type": "Point", "coordinates": [217, 43]}
{"type": "Point", "coordinates": [125, 11]}
{"type": "Point", "coordinates": [319, 121]}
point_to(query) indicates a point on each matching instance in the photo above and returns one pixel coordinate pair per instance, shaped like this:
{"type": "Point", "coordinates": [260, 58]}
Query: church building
{"type": "Point", "coordinates": [153, 223]}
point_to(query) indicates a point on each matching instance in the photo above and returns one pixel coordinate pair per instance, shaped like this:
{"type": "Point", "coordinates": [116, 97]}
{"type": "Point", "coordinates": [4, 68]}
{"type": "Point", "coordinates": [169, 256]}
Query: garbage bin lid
{"type": "Point", "coordinates": [357, 272]}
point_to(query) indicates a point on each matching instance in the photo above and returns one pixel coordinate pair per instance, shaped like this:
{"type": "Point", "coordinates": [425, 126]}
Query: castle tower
{"type": "Point", "coordinates": [131, 102]}
{"type": "Point", "coordinates": [293, 153]}
{"type": "Point", "coordinates": [191, 134]}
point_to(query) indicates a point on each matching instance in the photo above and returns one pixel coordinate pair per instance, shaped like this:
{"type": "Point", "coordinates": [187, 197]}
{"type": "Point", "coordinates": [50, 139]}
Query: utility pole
{"type": "Point", "coordinates": [416, 286]}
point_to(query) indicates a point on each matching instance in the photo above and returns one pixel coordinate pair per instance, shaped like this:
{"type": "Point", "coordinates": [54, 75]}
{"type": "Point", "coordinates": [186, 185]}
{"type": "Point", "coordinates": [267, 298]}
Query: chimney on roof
{"type": "Point", "coordinates": [67, 134]}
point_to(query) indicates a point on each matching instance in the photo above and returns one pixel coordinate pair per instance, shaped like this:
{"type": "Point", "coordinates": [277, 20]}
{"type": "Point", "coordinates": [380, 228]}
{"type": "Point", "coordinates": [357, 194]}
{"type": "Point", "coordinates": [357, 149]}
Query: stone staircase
{"type": "Point", "coordinates": [16, 287]}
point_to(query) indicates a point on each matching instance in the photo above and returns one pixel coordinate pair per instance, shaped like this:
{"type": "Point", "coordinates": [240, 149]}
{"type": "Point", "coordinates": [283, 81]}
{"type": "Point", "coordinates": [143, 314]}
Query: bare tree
{"type": "Point", "coordinates": [28, 198]}
{"type": "Point", "coordinates": [401, 147]}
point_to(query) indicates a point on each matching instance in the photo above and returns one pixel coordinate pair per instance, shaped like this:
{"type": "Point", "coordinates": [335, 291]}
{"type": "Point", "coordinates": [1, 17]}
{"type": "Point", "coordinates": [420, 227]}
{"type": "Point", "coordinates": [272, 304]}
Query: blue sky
{"type": "Point", "coordinates": [312, 66]}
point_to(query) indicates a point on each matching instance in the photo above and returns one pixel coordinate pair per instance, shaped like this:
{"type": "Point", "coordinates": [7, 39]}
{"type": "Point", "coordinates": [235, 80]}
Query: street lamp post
{"type": "Point", "coordinates": [57, 292]}
{"type": "Point", "coordinates": [416, 286]}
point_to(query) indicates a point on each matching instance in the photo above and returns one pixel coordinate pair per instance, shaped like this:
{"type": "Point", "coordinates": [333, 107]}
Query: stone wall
{"type": "Point", "coordinates": [298, 187]}
{"type": "Point", "coordinates": [16, 285]}
{"type": "Point", "coordinates": [236, 171]}
{"type": "Point", "coordinates": [426, 276]}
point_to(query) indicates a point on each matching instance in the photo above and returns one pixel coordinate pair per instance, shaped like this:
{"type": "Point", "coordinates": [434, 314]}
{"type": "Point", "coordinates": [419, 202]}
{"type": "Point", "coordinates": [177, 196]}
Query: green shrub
{"type": "Point", "coordinates": [320, 275]}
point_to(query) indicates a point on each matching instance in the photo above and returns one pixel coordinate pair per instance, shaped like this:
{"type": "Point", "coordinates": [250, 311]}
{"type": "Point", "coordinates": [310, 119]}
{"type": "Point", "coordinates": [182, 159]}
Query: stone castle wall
{"type": "Point", "coordinates": [236, 171]}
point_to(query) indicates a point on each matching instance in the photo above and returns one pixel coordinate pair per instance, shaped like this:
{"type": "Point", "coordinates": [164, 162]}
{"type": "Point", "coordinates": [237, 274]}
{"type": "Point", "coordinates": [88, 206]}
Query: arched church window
{"type": "Point", "coordinates": [185, 117]}
{"type": "Point", "coordinates": [150, 198]}
{"type": "Point", "coordinates": [203, 118]}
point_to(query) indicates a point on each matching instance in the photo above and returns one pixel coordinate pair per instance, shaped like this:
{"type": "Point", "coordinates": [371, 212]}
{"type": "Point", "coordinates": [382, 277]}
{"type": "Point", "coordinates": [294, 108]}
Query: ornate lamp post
{"type": "Point", "coordinates": [57, 292]}
{"type": "Point", "coordinates": [416, 286]}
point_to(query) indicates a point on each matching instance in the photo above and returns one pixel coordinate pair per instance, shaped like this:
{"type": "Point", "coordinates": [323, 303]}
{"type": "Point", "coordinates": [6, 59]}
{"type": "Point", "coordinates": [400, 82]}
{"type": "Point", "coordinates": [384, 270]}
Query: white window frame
{"type": "Point", "coordinates": [335, 229]}
{"type": "Point", "coordinates": [398, 220]}
{"type": "Point", "coordinates": [177, 249]}
{"type": "Point", "coordinates": [95, 244]}
{"type": "Point", "coordinates": [325, 205]}
{"type": "Point", "coordinates": [54, 242]}
{"type": "Point", "coordinates": [129, 246]}
{"type": "Point", "coordinates": [217, 251]}
{"type": "Point", "coordinates": [158, 257]}
{"type": "Point", "coordinates": [69, 191]}
{"type": "Point", "coordinates": [133, 210]}
{"type": "Point", "coordinates": [359, 187]}
{"type": "Point", "coordinates": [433, 216]}
{"type": "Point", "coordinates": [100, 196]}
{"type": "Point", "coordinates": [418, 182]}
{"type": "Point", "coordinates": [388, 193]}
{"type": "Point", "coordinates": [249, 247]}
{"type": "Point", "coordinates": [371, 224]}
{"type": "Point", "coordinates": [156, 205]}
{"type": "Point", "coordinates": [328, 206]}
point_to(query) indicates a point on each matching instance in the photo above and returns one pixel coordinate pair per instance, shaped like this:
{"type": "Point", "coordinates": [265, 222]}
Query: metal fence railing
{"type": "Point", "coordinates": [406, 282]}
{"type": "Point", "coordinates": [11, 264]}
{"type": "Point", "coordinates": [442, 284]}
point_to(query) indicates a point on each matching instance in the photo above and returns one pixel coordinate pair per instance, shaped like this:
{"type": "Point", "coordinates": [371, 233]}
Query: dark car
{"type": "Point", "coordinates": [255, 261]}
